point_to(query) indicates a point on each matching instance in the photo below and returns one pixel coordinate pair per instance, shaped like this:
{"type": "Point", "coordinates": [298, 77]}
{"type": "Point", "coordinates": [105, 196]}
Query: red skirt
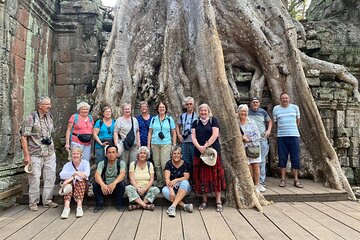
{"type": "Point", "coordinates": [208, 179]}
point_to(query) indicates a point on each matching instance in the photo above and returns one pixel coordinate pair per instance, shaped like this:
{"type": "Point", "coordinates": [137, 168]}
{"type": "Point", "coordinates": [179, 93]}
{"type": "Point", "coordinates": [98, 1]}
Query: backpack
{"type": "Point", "coordinates": [153, 120]}
{"type": "Point", "coordinates": [147, 162]}
{"type": "Point", "coordinates": [103, 175]}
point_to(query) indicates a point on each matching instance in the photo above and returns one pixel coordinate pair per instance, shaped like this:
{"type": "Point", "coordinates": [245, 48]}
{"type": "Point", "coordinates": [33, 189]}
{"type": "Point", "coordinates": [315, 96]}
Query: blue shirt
{"type": "Point", "coordinates": [105, 132]}
{"type": "Point", "coordinates": [163, 126]}
{"type": "Point", "coordinates": [260, 117]}
{"type": "Point", "coordinates": [144, 129]}
{"type": "Point", "coordinates": [286, 120]}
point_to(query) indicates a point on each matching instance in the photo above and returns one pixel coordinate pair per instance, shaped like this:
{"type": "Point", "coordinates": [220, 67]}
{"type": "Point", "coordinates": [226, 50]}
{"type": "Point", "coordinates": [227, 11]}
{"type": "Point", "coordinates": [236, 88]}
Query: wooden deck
{"type": "Point", "coordinates": [296, 220]}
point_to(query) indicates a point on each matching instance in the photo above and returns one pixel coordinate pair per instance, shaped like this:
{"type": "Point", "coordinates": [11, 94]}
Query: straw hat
{"type": "Point", "coordinates": [209, 156]}
{"type": "Point", "coordinates": [28, 168]}
{"type": "Point", "coordinates": [65, 190]}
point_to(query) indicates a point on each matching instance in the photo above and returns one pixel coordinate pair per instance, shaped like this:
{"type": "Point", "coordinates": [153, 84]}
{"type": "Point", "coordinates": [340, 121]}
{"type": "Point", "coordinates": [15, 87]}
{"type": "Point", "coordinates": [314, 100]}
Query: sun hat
{"type": "Point", "coordinates": [65, 189]}
{"type": "Point", "coordinates": [28, 168]}
{"type": "Point", "coordinates": [209, 156]}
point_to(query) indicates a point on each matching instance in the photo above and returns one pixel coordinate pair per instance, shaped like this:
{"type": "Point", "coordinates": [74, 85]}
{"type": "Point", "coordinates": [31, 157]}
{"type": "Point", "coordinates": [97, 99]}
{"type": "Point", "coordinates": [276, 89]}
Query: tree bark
{"type": "Point", "coordinates": [186, 44]}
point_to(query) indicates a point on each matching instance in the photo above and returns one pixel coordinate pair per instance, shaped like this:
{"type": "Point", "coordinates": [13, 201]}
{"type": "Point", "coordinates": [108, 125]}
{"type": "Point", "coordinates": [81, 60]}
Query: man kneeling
{"type": "Point", "coordinates": [109, 179]}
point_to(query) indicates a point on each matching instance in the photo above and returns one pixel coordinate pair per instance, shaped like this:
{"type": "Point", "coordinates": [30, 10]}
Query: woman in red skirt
{"type": "Point", "coordinates": [207, 179]}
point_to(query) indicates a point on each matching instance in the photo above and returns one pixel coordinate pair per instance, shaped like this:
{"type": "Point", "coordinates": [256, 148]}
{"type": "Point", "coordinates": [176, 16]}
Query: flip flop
{"type": "Point", "coordinates": [298, 184]}
{"type": "Point", "coordinates": [282, 183]}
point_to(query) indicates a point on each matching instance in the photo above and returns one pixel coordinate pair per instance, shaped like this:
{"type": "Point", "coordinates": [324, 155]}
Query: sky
{"type": "Point", "coordinates": [109, 3]}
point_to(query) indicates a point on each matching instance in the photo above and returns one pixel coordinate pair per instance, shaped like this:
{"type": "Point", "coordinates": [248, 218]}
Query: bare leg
{"type": "Point", "coordinates": [218, 197]}
{"type": "Point", "coordinates": [296, 174]}
{"type": "Point", "coordinates": [256, 173]}
{"type": "Point", "coordinates": [283, 172]}
{"type": "Point", "coordinates": [179, 197]}
{"type": "Point", "coordinates": [66, 204]}
{"type": "Point", "coordinates": [79, 203]}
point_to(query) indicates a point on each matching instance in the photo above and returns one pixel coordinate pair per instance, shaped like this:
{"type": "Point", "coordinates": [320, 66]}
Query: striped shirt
{"type": "Point", "coordinates": [286, 120]}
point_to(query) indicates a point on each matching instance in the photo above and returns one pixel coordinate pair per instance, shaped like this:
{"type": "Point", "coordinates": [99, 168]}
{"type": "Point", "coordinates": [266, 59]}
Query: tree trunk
{"type": "Point", "coordinates": [170, 49]}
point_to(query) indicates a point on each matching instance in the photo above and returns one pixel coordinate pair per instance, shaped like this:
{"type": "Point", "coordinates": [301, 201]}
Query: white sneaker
{"type": "Point", "coordinates": [188, 208]}
{"type": "Point", "coordinates": [257, 190]}
{"type": "Point", "coordinates": [261, 188]}
{"type": "Point", "coordinates": [65, 214]}
{"type": "Point", "coordinates": [79, 212]}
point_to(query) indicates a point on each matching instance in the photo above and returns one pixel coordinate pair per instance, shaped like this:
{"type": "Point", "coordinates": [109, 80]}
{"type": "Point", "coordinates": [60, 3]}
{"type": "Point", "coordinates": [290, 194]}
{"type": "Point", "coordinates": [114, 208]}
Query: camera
{"type": "Point", "coordinates": [161, 135]}
{"type": "Point", "coordinates": [186, 133]}
{"type": "Point", "coordinates": [46, 140]}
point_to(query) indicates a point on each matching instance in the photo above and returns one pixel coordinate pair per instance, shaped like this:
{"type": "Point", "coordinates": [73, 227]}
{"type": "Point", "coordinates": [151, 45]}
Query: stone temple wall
{"type": "Point", "coordinates": [53, 47]}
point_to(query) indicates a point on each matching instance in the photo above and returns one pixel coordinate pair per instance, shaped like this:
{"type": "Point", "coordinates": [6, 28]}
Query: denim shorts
{"type": "Point", "coordinates": [184, 184]}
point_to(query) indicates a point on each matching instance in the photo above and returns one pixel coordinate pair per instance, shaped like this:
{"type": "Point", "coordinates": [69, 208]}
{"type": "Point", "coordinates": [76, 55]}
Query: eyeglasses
{"type": "Point", "coordinates": [188, 104]}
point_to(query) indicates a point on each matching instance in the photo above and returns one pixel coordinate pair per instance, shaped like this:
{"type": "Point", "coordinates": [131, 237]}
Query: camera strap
{"type": "Point", "coordinates": [45, 122]}
{"type": "Point", "coordinates": [184, 123]}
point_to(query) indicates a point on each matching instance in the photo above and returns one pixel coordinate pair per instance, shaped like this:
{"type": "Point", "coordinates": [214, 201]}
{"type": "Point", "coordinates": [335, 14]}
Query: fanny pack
{"type": "Point", "coordinates": [84, 137]}
{"type": "Point", "coordinates": [252, 151]}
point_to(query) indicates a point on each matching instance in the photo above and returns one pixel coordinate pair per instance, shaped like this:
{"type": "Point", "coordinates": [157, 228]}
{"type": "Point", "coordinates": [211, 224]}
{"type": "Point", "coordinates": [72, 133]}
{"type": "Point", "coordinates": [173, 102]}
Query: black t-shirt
{"type": "Point", "coordinates": [204, 132]}
{"type": "Point", "coordinates": [177, 172]}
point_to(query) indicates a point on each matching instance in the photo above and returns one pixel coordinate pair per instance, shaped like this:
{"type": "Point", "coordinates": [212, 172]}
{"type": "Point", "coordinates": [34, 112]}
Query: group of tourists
{"type": "Point", "coordinates": [124, 146]}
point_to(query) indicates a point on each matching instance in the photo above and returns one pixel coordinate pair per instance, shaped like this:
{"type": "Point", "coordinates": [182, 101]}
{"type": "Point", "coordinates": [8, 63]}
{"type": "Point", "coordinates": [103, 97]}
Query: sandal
{"type": "Point", "coordinates": [150, 207]}
{"type": "Point", "coordinates": [219, 207]}
{"type": "Point", "coordinates": [282, 183]}
{"type": "Point", "coordinates": [298, 184]}
{"type": "Point", "coordinates": [134, 207]}
{"type": "Point", "coordinates": [202, 206]}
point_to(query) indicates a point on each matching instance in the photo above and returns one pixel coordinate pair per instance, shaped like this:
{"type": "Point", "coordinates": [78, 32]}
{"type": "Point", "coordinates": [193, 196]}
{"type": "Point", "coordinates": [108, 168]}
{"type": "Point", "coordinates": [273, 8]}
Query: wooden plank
{"type": "Point", "coordinates": [36, 225]}
{"type": "Point", "coordinates": [193, 226]}
{"type": "Point", "coordinates": [127, 225]}
{"type": "Point", "coordinates": [10, 192]}
{"type": "Point", "coordinates": [20, 222]}
{"type": "Point", "coordinates": [262, 224]}
{"type": "Point", "coordinates": [150, 225]}
{"type": "Point", "coordinates": [332, 224]}
{"type": "Point", "coordinates": [316, 188]}
{"type": "Point", "coordinates": [81, 226]}
{"type": "Point", "coordinates": [216, 225]}
{"type": "Point", "coordinates": [344, 209]}
{"type": "Point", "coordinates": [351, 204]}
{"type": "Point", "coordinates": [313, 227]}
{"type": "Point", "coordinates": [337, 215]}
{"type": "Point", "coordinates": [238, 224]}
{"type": "Point", "coordinates": [286, 224]}
{"type": "Point", "coordinates": [58, 226]}
{"type": "Point", "coordinates": [172, 227]}
{"type": "Point", "coordinates": [274, 186]}
{"type": "Point", "coordinates": [10, 213]}
{"type": "Point", "coordinates": [105, 224]}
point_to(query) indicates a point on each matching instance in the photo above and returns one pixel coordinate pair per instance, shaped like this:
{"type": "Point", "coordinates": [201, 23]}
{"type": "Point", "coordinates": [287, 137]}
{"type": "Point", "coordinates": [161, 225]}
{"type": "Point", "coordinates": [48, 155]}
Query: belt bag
{"type": "Point", "coordinates": [84, 137]}
{"type": "Point", "coordinates": [252, 151]}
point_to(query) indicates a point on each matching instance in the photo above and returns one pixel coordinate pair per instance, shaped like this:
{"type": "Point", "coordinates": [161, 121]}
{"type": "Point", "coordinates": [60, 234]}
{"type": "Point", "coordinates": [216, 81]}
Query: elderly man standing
{"type": "Point", "coordinates": [38, 149]}
{"type": "Point", "coordinates": [183, 130]}
{"type": "Point", "coordinates": [287, 117]}
{"type": "Point", "coordinates": [262, 119]}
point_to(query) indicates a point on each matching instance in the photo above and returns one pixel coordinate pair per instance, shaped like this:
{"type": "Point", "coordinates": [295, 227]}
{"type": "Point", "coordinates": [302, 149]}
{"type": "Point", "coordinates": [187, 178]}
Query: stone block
{"type": "Point", "coordinates": [67, 42]}
{"type": "Point", "coordinates": [352, 118]}
{"type": "Point", "coordinates": [313, 44]}
{"type": "Point", "coordinates": [21, 32]}
{"type": "Point", "coordinates": [349, 173]}
{"type": "Point", "coordinates": [354, 147]}
{"type": "Point", "coordinates": [23, 17]}
{"type": "Point", "coordinates": [325, 94]}
{"type": "Point", "coordinates": [80, 90]}
{"type": "Point", "coordinates": [19, 48]}
{"type": "Point", "coordinates": [65, 56]}
{"type": "Point", "coordinates": [301, 44]}
{"type": "Point", "coordinates": [344, 160]}
{"type": "Point", "coordinates": [341, 95]}
{"type": "Point", "coordinates": [313, 81]}
{"type": "Point", "coordinates": [340, 119]}
{"type": "Point", "coordinates": [354, 161]}
{"type": "Point", "coordinates": [64, 91]}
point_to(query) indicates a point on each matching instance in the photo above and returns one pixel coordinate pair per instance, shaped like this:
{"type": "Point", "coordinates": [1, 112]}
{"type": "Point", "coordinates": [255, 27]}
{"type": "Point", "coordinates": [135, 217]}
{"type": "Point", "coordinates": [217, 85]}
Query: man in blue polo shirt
{"type": "Point", "coordinates": [287, 118]}
{"type": "Point", "coordinates": [261, 118]}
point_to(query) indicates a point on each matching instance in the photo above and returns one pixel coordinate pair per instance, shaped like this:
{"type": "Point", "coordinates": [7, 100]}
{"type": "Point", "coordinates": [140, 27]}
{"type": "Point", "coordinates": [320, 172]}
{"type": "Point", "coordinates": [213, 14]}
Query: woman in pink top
{"type": "Point", "coordinates": [79, 130]}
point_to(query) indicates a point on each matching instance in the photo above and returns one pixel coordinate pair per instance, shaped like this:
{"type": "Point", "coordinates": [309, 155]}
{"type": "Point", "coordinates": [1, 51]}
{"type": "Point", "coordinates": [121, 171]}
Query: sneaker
{"type": "Point", "coordinates": [98, 209]}
{"type": "Point", "coordinates": [51, 204]}
{"type": "Point", "coordinates": [188, 208]}
{"type": "Point", "coordinates": [261, 188]}
{"type": "Point", "coordinates": [33, 207]}
{"type": "Point", "coordinates": [65, 214]}
{"type": "Point", "coordinates": [257, 189]}
{"type": "Point", "coordinates": [79, 212]}
{"type": "Point", "coordinates": [171, 211]}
